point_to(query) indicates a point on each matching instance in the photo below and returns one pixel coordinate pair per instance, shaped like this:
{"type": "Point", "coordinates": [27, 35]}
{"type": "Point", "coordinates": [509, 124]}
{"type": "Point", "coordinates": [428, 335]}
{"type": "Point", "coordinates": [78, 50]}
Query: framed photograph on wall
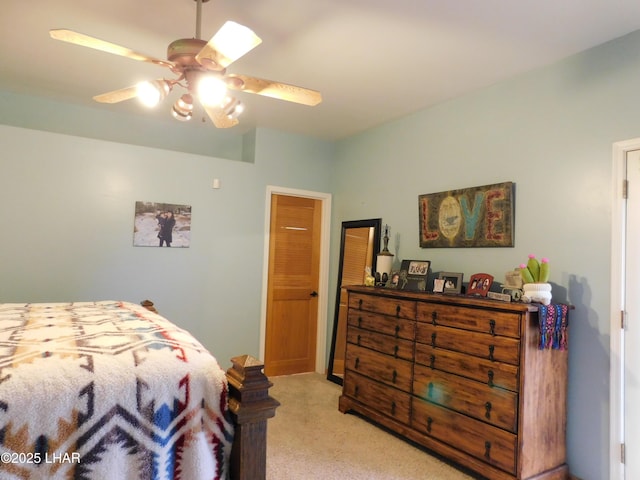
{"type": "Point", "coordinates": [452, 282]}
{"type": "Point", "coordinates": [414, 274]}
{"type": "Point", "coordinates": [158, 224]}
{"type": "Point", "coordinates": [479, 284]}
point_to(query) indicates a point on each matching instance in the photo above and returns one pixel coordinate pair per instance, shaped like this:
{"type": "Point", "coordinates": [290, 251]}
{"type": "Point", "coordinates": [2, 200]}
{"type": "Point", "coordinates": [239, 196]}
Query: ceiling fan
{"type": "Point", "coordinates": [200, 67]}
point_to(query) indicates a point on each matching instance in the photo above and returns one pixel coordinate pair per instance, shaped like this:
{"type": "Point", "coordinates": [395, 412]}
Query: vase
{"type": "Point", "coordinates": [537, 292]}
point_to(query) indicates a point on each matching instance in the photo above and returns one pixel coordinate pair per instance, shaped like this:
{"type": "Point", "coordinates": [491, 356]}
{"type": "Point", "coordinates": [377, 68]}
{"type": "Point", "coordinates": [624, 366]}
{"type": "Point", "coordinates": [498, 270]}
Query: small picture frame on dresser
{"type": "Point", "coordinates": [414, 275]}
{"type": "Point", "coordinates": [394, 280]}
{"type": "Point", "coordinates": [479, 284]}
{"type": "Point", "coordinates": [438, 285]}
{"type": "Point", "coordinates": [452, 282]}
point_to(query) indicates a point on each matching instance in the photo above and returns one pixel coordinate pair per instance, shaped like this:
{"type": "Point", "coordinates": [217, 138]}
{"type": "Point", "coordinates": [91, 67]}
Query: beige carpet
{"type": "Point", "coordinates": [310, 439]}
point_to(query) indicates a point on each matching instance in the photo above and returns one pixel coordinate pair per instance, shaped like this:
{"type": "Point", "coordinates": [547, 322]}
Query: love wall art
{"type": "Point", "coordinates": [469, 217]}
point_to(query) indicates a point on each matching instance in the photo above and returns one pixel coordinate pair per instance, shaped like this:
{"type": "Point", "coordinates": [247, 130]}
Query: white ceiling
{"type": "Point", "coordinates": [373, 60]}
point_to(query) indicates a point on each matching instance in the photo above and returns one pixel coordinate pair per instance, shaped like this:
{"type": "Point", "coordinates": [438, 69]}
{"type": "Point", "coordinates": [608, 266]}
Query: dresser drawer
{"type": "Point", "coordinates": [387, 400]}
{"type": "Point", "coordinates": [393, 326]}
{"type": "Point", "coordinates": [494, 348]}
{"type": "Point", "coordinates": [493, 322]}
{"type": "Point", "coordinates": [491, 405]}
{"type": "Point", "coordinates": [494, 374]}
{"type": "Point", "coordinates": [489, 444]}
{"type": "Point", "coordinates": [395, 347]}
{"type": "Point", "coordinates": [394, 372]}
{"type": "Point", "coordinates": [388, 306]}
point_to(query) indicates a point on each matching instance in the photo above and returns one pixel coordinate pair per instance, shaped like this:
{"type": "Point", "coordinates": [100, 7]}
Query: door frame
{"type": "Point", "coordinates": [323, 280]}
{"type": "Point", "coordinates": [616, 361]}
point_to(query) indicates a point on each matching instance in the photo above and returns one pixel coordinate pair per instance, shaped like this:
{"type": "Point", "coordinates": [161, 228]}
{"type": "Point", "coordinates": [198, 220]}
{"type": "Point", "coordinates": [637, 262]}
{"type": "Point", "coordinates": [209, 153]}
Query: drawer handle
{"type": "Point", "coordinates": [397, 331]}
{"type": "Point", "coordinates": [491, 349]}
{"type": "Point", "coordinates": [490, 378]}
{"type": "Point", "coordinates": [393, 408]}
{"type": "Point", "coordinates": [356, 391]}
{"type": "Point", "coordinates": [487, 408]}
{"type": "Point", "coordinates": [359, 337]}
{"type": "Point", "coordinates": [394, 377]}
{"type": "Point", "coordinates": [359, 322]}
{"type": "Point", "coordinates": [433, 339]}
{"type": "Point", "coordinates": [492, 327]}
{"type": "Point", "coordinates": [430, 390]}
{"type": "Point", "coordinates": [432, 362]}
{"type": "Point", "coordinates": [429, 422]}
{"type": "Point", "coordinates": [395, 351]}
{"type": "Point", "coordinates": [487, 449]}
{"type": "Point", "coordinates": [398, 310]}
{"type": "Point", "coordinates": [434, 317]}
{"type": "Point", "coordinates": [360, 304]}
{"type": "Point", "coordinates": [357, 362]}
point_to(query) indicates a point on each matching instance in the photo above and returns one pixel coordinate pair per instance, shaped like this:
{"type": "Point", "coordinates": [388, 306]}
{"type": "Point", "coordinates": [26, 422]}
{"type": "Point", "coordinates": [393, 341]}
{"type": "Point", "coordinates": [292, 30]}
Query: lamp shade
{"type": "Point", "coordinates": [384, 263]}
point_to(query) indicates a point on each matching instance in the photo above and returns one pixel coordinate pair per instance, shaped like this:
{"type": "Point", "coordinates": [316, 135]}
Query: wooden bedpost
{"type": "Point", "coordinates": [250, 406]}
{"type": "Point", "coordinates": [148, 304]}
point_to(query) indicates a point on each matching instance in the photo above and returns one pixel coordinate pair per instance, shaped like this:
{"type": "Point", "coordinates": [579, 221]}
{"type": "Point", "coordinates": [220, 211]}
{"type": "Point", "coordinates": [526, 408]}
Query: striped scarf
{"type": "Point", "coordinates": [554, 323]}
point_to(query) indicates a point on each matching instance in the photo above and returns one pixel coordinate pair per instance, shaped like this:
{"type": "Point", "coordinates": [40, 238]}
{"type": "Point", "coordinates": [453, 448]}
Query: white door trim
{"type": "Point", "coordinates": [323, 298]}
{"type": "Point", "coordinates": [616, 375]}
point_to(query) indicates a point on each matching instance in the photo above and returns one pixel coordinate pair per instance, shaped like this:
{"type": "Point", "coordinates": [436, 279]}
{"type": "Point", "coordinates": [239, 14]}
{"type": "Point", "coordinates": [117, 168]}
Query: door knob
{"type": "Point", "coordinates": [314, 294]}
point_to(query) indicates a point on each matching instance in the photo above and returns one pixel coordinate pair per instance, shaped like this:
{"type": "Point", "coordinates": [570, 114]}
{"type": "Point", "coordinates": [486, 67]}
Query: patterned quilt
{"type": "Point", "coordinates": [108, 390]}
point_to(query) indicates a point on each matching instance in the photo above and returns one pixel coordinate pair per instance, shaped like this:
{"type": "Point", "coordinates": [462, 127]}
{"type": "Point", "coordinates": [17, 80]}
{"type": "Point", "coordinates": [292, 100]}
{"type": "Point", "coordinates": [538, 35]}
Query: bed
{"type": "Point", "coordinates": [113, 390]}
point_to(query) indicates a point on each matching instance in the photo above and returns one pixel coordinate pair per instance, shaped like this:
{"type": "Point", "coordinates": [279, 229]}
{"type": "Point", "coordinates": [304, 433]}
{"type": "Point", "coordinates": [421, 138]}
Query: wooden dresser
{"type": "Point", "coordinates": [461, 376]}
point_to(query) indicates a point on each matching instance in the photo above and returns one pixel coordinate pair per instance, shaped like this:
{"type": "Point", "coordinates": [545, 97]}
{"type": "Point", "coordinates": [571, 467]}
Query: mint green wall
{"type": "Point", "coordinates": [551, 132]}
{"type": "Point", "coordinates": [107, 122]}
{"type": "Point", "coordinates": [67, 206]}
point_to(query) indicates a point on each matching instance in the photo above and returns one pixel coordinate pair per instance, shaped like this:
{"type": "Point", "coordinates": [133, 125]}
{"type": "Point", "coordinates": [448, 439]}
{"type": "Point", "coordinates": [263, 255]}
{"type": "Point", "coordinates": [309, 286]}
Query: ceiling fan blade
{"type": "Point", "coordinates": [278, 90]}
{"type": "Point", "coordinates": [117, 95]}
{"type": "Point", "coordinates": [76, 38]}
{"type": "Point", "coordinates": [219, 118]}
{"type": "Point", "coordinates": [230, 43]}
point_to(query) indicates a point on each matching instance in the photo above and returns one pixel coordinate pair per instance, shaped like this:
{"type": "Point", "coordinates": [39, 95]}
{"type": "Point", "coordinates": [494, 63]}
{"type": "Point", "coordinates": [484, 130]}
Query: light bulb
{"type": "Point", "coordinates": [211, 90]}
{"type": "Point", "coordinates": [150, 93]}
{"type": "Point", "coordinates": [232, 107]}
{"type": "Point", "coordinates": [238, 110]}
{"type": "Point", "coordinates": [183, 108]}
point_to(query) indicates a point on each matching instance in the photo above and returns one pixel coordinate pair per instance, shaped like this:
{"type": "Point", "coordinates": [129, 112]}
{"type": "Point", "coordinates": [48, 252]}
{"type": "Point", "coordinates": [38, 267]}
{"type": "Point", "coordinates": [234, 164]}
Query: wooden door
{"type": "Point", "coordinates": [292, 290]}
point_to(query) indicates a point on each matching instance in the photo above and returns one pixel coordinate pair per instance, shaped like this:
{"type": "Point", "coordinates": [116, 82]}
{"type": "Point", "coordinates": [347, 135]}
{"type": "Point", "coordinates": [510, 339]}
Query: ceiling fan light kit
{"type": "Point", "coordinates": [183, 108]}
{"type": "Point", "coordinates": [201, 70]}
{"type": "Point", "coordinates": [232, 107]}
{"type": "Point", "coordinates": [211, 89]}
{"type": "Point", "coordinates": [151, 93]}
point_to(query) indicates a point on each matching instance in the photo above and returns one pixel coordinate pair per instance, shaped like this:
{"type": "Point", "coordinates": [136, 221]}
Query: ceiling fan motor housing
{"type": "Point", "coordinates": [183, 52]}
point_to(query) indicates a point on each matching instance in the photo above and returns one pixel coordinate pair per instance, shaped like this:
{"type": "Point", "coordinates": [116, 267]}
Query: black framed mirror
{"type": "Point", "coordinates": [359, 246]}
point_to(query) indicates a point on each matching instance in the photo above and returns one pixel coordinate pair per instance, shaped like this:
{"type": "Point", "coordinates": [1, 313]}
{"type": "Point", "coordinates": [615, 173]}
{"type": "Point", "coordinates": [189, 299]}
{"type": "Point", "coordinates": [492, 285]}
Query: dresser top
{"type": "Point", "coordinates": [445, 299]}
